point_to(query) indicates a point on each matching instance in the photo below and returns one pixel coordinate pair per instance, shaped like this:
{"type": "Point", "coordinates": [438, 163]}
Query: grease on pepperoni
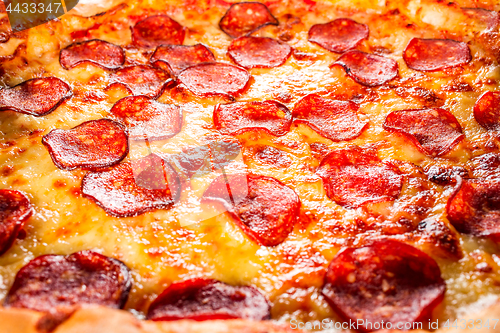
{"type": "Point", "coordinates": [133, 188]}
{"type": "Point", "coordinates": [91, 145]}
{"type": "Point", "coordinates": [474, 207]}
{"type": "Point", "coordinates": [57, 283]}
{"type": "Point", "coordinates": [175, 58]}
{"type": "Point", "coordinates": [264, 208]}
{"type": "Point", "coordinates": [435, 54]}
{"type": "Point", "coordinates": [236, 118]}
{"type": "Point", "coordinates": [141, 80]}
{"type": "Point", "coordinates": [259, 52]}
{"type": "Point", "coordinates": [205, 299]}
{"type": "Point", "coordinates": [353, 177]}
{"type": "Point", "coordinates": [487, 110]}
{"type": "Point", "coordinates": [434, 131]}
{"type": "Point", "coordinates": [15, 209]}
{"type": "Point", "coordinates": [335, 120]}
{"type": "Point", "coordinates": [96, 52]}
{"type": "Point", "coordinates": [368, 69]}
{"type": "Point", "coordinates": [246, 17]}
{"type": "Point", "coordinates": [384, 281]}
{"type": "Point", "coordinates": [156, 30]}
{"type": "Point", "coordinates": [215, 79]}
{"type": "Point", "coordinates": [37, 97]}
{"type": "Point", "coordinates": [339, 35]}
{"type": "Point", "coordinates": [147, 118]}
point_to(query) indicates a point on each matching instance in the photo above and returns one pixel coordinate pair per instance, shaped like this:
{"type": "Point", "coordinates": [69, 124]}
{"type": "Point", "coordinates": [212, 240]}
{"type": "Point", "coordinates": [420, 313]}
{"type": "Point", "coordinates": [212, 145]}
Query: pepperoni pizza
{"type": "Point", "coordinates": [214, 166]}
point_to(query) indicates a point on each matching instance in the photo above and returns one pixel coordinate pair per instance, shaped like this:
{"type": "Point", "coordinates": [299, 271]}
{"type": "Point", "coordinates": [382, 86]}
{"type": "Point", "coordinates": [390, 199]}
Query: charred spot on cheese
{"type": "Point", "coordinates": [474, 207]}
{"type": "Point", "coordinates": [436, 236]}
{"type": "Point", "coordinates": [15, 209]}
{"type": "Point", "coordinates": [339, 35]}
{"type": "Point", "coordinates": [263, 207]}
{"type": "Point", "coordinates": [435, 54]}
{"type": "Point", "coordinates": [236, 118]}
{"type": "Point", "coordinates": [96, 52]}
{"type": "Point", "coordinates": [141, 80]}
{"type": "Point", "coordinates": [59, 284]}
{"type": "Point", "coordinates": [443, 175]}
{"type": "Point", "coordinates": [212, 79]}
{"type": "Point", "coordinates": [353, 177]}
{"type": "Point", "coordinates": [157, 30]}
{"type": "Point", "coordinates": [175, 58]}
{"type": "Point", "coordinates": [147, 118]}
{"type": "Point", "coordinates": [487, 110]}
{"type": "Point", "coordinates": [91, 145]}
{"type": "Point", "coordinates": [37, 97]}
{"type": "Point", "coordinates": [133, 188]}
{"type": "Point", "coordinates": [246, 17]}
{"type": "Point", "coordinates": [205, 299]}
{"type": "Point", "coordinates": [368, 69]}
{"type": "Point", "coordinates": [333, 119]}
{"type": "Point", "coordinates": [433, 131]}
{"type": "Point", "coordinates": [383, 281]}
{"type": "Point", "coordinates": [258, 52]}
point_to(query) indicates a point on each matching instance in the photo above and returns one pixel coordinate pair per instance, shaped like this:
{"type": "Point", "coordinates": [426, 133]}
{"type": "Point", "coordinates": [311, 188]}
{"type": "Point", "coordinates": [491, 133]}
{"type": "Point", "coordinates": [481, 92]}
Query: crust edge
{"type": "Point", "coordinates": [90, 319]}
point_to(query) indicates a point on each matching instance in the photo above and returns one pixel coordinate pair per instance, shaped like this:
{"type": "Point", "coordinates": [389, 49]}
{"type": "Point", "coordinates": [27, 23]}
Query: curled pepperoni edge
{"type": "Point", "coordinates": [359, 80]}
{"type": "Point", "coordinates": [425, 313]}
{"type": "Point", "coordinates": [231, 209]}
{"type": "Point", "coordinates": [231, 96]}
{"type": "Point", "coordinates": [137, 212]}
{"type": "Point", "coordinates": [435, 69]}
{"type": "Point", "coordinates": [314, 40]}
{"type": "Point", "coordinates": [160, 63]}
{"type": "Point", "coordinates": [216, 119]}
{"type": "Point", "coordinates": [193, 285]}
{"type": "Point", "coordinates": [123, 269]}
{"type": "Point", "coordinates": [275, 22]}
{"type": "Point", "coordinates": [414, 140]}
{"type": "Point", "coordinates": [20, 220]}
{"type": "Point", "coordinates": [92, 61]}
{"type": "Point", "coordinates": [87, 166]}
{"type": "Point", "coordinates": [68, 95]}
{"type": "Point", "coordinates": [480, 115]}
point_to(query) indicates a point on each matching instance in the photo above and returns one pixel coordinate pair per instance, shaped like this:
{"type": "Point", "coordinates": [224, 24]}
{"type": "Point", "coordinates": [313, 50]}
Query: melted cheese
{"type": "Point", "coordinates": [193, 239]}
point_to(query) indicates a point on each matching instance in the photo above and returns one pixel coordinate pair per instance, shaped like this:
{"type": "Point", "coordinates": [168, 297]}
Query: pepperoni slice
{"type": "Point", "coordinates": [141, 80]}
{"type": "Point", "coordinates": [386, 281]}
{"type": "Point", "coordinates": [175, 58]}
{"type": "Point", "coordinates": [368, 69]}
{"type": "Point", "coordinates": [37, 97]}
{"type": "Point", "coordinates": [205, 299]}
{"type": "Point", "coordinates": [91, 145]}
{"type": "Point", "coordinates": [264, 208]}
{"type": "Point", "coordinates": [236, 118]}
{"type": "Point", "coordinates": [434, 131]}
{"type": "Point", "coordinates": [335, 120]}
{"type": "Point", "coordinates": [339, 35]}
{"type": "Point", "coordinates": [60, 284]}
{"type": "Point", "coordinates": [353, 177]}
{"type": "Point", "coordinates": [215, 79]}
{"type": "Point", "coordinates": [259, 52]}
{"type": "Point", "coordinates": [474, 207]}
{"type": "Point", "coordinates": [96, 52]}
{"type": "Point", "coordinates": [15, 209]}
{"type": "Point", "coordinates": [131, 189]}
{"type": "Point", "coordinates": [147, 118]}
{"type": "Point", "coordinates": [156, 30]}
{"type": "Point", "coordinates": [435, 54]}
{"type": "Point", "coordinates": [487, 111]}
{"type": "Point", "coordinates": [246, 17]}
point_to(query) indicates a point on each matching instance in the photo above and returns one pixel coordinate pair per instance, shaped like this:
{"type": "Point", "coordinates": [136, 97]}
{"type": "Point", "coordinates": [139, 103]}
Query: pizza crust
{"type": "Point", "coordinates": [90, 319]}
